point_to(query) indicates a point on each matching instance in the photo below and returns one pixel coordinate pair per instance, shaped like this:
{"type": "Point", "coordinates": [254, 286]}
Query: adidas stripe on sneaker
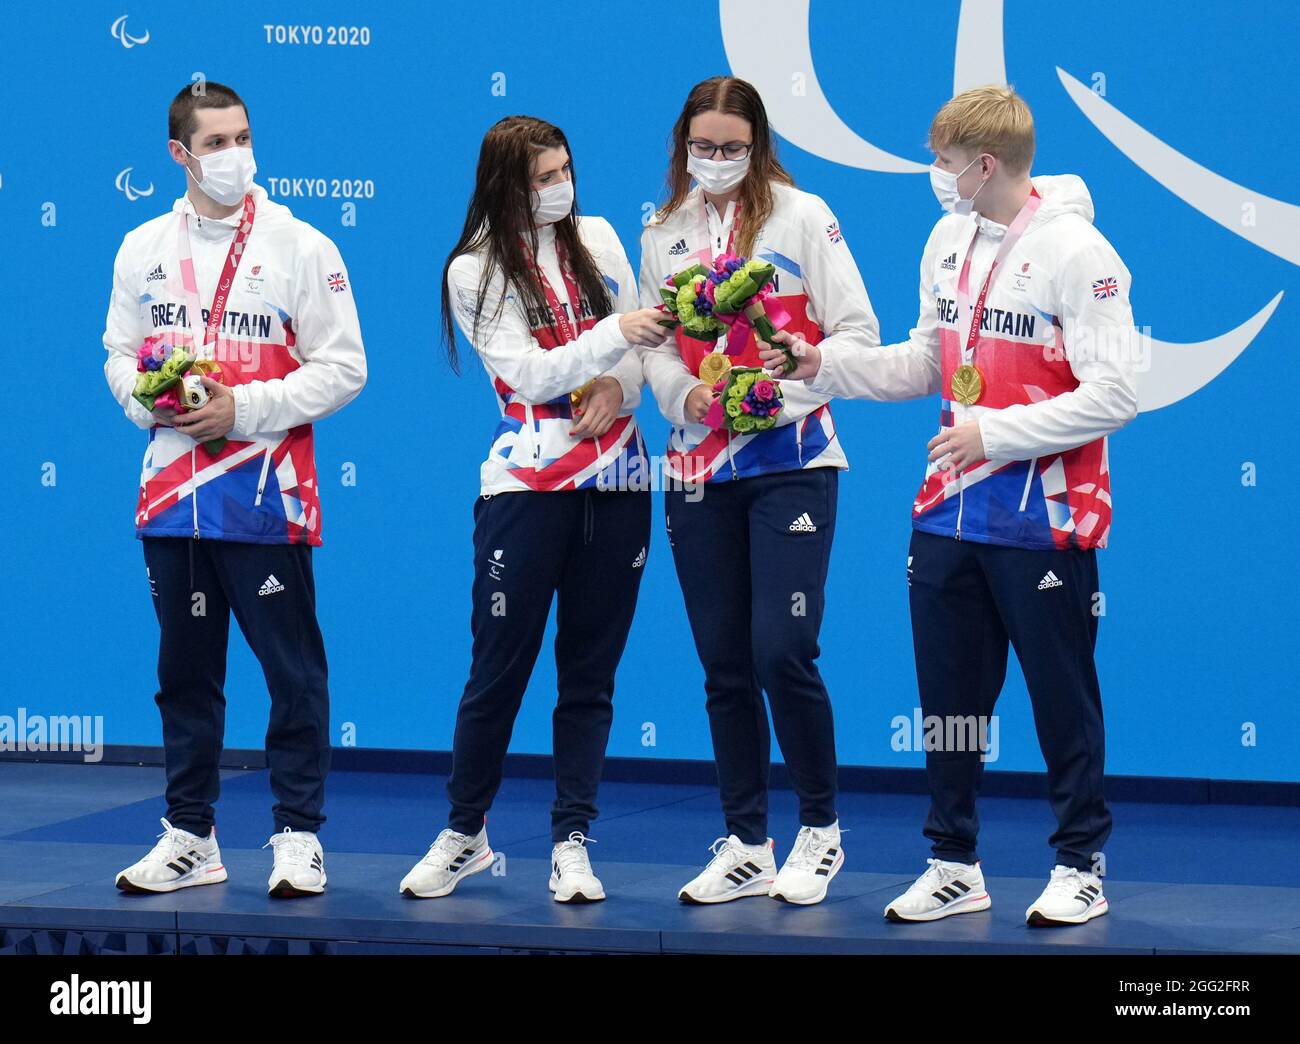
{"type": "Point", "coordinates": [179, 860]}
{"type": "Point", "coordinates": [946, 888]}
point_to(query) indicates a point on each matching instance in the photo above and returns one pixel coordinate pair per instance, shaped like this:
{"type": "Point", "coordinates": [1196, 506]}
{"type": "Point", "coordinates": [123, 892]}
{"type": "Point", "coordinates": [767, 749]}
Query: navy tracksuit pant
{"type": "Point", "coordinates": [752, 556]}
{"type": "Point", "coordinates": [588, 547]}
{"type": "Point", "coordinates": [969, 601]}
{"type": "Point", "coordinates": [196, 585]}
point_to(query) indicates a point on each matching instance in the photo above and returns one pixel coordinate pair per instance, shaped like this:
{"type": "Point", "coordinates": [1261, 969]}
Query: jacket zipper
{"type": "Point", "coordinates": [194, 492]}
{"type": "Point", "coordinates": [261, 482]}
{"type": "Point", "coordinates": [730, 459]}
{"type": "Point", "coordinates": [961, 492]}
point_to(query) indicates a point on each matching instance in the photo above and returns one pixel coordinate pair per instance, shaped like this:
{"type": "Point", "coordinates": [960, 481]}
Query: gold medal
{"type": "Point", "coordinates": [967, 384]}
{"type": "Point", "coordinates": [713, 367]}
{"type": "Point", "coordinates": [575, 397]}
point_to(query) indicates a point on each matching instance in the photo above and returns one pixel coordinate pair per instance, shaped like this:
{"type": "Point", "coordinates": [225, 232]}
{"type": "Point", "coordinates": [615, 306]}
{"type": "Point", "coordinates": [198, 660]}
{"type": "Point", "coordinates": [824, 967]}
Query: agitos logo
{"type": "Point", "coordinates": [123, 185]}
{"type": "Point", "coordinates": [118, 29]}
{"type": "Point", "coordinates": [808, 120]}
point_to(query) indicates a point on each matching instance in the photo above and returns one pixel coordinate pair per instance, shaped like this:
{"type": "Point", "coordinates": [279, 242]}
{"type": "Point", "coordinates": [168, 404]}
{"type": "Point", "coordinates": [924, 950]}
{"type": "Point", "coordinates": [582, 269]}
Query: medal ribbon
{"type": "Point", "coordinates": [969, 318]}
{"type": "Point", "coordinates": [224, 282]}
{"type": "Point", "coordinates": [567, 329]}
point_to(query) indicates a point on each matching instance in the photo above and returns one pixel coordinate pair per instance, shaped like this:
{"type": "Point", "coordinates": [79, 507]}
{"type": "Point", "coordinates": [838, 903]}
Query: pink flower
{"type": "Point", "coordinates": [168, 400]}
{"type": "Point", "coordinates": [763, 390]}
{"type": "Point", "coordinates": [747, 407]}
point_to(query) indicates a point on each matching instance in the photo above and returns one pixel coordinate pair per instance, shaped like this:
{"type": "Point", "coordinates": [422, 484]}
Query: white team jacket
{"type": "Point", "coordinates": [289, 346]}
{"type": "Point", "coordinates": [1059, 355]}
{"type": "Point", "coordinates": [818, 284]}
{"type": "Point", "coordinates": [531, 448]}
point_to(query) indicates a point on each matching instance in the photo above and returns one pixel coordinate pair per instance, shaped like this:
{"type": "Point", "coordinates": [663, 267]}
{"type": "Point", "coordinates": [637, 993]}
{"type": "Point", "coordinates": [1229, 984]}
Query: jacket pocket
{"type": "Point", "coordinates": [530, 443]}
{"type": "Point", "coordinates": [266, 467]}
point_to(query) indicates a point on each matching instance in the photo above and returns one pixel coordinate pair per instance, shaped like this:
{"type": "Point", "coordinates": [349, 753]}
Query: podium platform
{"type": "Point", "coordinates": [1182, 879]}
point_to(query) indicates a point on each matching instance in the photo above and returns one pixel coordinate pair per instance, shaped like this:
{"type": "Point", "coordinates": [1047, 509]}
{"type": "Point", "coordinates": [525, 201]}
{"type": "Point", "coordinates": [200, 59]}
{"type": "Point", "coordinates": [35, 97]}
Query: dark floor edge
{"type": "Point", "coordinates": [75, 931]}
{"type": "Point", "coordinates": [1173, 790]}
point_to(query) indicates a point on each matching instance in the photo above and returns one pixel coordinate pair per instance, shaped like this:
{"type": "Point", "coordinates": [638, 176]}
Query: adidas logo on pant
{"type": "Point", "coordinates": [1050, 580]}
{"type": "Point", "coordinates": [271, 586]}
{"type": "Point", "coordinates": [803, 524]}
{"type": "Point", "coordinates": [639, 561]}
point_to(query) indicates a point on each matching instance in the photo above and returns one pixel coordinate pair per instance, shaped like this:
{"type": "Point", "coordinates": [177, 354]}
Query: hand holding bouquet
{"type": "Point", "coordinates": [729, 296]}
{"type": "Point", "coordinates": [170, 378]}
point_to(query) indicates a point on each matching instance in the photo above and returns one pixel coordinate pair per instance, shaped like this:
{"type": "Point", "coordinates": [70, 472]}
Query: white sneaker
{"type": "Point", "coordinates": [815, 859]}
{"type": "Point", "coordinates": [946, 888]}
{"type": "Point", "coordinates": [1071, 897]}
{"type": "Point", "coordinates": [179, 860]}
{"type": "Point", "coordinates": [450, 859]}
{"type": "Point", "coordinates": [736, 870]}
{"type": "Point", "coordinates": [571, 878]}
{"type": "Point", "coordinates": [299, 867]}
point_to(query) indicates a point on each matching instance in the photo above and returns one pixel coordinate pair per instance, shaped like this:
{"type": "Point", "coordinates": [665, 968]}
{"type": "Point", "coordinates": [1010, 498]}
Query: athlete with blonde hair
{"type": "Point", "coordinates": [1025, 331]}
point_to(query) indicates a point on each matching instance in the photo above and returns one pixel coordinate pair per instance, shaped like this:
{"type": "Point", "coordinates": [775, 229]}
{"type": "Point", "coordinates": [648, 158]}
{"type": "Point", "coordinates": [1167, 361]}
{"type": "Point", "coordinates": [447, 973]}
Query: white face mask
{"type": "Point", "coordinates": [717, 176]}
{"type": "Point", "coordinates": [553, 203]}
{"type": "Point", "coordinates": [944, 184]}
{"type": "Point", "coordinates": [227, 175]}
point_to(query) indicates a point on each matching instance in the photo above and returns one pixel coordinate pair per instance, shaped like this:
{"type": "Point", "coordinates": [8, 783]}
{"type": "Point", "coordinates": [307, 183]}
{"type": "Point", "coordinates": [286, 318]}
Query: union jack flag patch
{"type": "Point", "coordinates": [338, 284]}
{"type": "Point", "coordinates": [1104, 288]}
{"type": "Point", "coordinates": [833, 232]}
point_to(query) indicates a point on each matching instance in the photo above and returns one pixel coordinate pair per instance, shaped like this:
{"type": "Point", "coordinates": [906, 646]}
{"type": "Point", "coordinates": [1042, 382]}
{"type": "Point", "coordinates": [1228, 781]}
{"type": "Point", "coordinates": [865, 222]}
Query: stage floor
{"type": "Point", "coordinates": [1182, 878]}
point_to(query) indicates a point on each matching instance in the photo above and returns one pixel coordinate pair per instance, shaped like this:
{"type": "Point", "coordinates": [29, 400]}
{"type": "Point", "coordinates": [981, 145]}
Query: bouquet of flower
{"type": "Point", "coordinates": [688, 299]}
{"type": "Point", "coordinates": [707, 302]}
{"type": "Point", "coordinates": [171, 379]}
{"type": "Point", "coordinates": [748, 401]}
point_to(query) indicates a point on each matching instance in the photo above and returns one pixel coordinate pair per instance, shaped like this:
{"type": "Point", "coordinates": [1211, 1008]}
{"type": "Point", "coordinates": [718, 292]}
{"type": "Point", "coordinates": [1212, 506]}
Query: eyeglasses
{"type": "Point", "coordinates": [733, 150]}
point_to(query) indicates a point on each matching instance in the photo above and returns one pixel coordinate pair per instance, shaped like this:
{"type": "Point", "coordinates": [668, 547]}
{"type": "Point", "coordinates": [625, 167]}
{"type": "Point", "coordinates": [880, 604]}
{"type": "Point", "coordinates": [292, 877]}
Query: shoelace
{"type": "Point", "coordinates": [170, 843]}
{"type": "Point", "coordinates": [725, 856]}
{"type": "Point", "coordinates": [291, 845]}
{"type": "Point", "coordinates": [572, 854]}
{"type": "Point", "coordinates": [446, 847]}
{"type": "Point", "coordinates": [1066, 881]}
{"type": "Point", "coordinates": [935, 877]}
{"type": "Point", "coordinates": [806, 854]}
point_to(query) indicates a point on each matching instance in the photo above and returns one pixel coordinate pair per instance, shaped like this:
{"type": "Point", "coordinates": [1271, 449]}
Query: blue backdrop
{"type": "Point", "coordinates": [1198, 642]}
